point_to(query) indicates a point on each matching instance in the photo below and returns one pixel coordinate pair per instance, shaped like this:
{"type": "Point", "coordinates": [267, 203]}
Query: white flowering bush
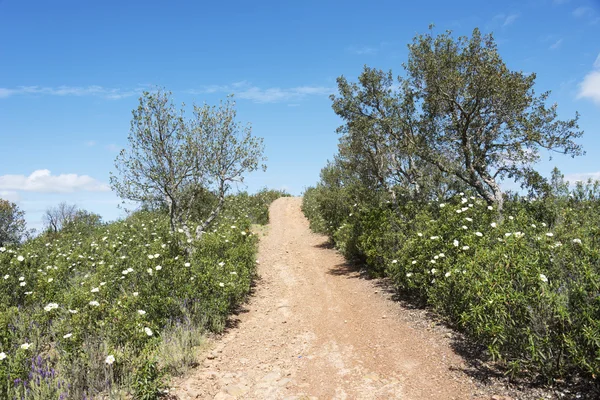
{"type": "Point", "coordinates": [83, 313]}
{"type": "Point", "coordinates": [525, 284]}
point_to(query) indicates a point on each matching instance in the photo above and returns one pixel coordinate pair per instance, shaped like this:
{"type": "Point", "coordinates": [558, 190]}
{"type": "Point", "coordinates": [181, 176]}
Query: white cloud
{"type": "Point", "coordinates": [10, 195]}
{"type": "Point", "coordinates": [247, 91]}
{"type": "Point", "coordinates": [580, 12]}
{"type": "Point", "coordinates": [582, 176]}
{"type": "Point", "coordinates": [43, 181]}
{"type": "Point", "coordinates": [510, 19]}
{"type": "Point", "coordinates": [590, 86]}
{"type": "Point", "coordinates": [556, 44]}
{"type": "Point", "coordinates": [94, 90]}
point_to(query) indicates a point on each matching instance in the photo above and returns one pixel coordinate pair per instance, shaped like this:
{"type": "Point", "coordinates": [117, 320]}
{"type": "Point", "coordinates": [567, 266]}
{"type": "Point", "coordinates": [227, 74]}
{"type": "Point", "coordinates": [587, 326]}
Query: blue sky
{"type": "Point", "coordinates": [72, 71]}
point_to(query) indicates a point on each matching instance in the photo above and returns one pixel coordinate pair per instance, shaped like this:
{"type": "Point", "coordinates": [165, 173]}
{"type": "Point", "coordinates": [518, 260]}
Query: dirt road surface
{"type": "Point", "coordinates": [312, 330]}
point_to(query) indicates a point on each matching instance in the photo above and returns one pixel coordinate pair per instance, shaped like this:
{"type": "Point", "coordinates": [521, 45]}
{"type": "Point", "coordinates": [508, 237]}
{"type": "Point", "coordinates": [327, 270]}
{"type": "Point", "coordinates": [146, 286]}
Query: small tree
{"type": "Point", "coordinates": [169, 157]}
{"type": "Point", "coordinates": [56, 218]}
{"type": "Point", "coordinates": [12, 223]}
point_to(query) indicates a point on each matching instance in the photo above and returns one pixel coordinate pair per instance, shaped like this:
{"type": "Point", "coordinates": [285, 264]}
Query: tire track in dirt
{"type": "Point", "coordinates": [312, 330]}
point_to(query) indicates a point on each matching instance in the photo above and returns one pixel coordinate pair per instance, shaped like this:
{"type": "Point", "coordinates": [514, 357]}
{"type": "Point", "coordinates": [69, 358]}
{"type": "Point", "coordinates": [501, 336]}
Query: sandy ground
{"type": "Point", "coordinates": [314, 330]}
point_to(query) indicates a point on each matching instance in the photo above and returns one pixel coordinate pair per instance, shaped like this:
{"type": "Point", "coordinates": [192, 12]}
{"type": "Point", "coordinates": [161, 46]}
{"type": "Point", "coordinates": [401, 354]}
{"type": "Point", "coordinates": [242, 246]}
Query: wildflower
{"type": "Point", "coordinates": [408, 275]}
{"type": "Point", "coordinates": [533, 226]}
{"type": "Point", "coordinates": [465, 227]}
{"type": "Point", "coordinates": [433, 271]}
{"type": "Point", "coordinates": [442, 255]}
{"type": "Point", "coordinates": [102, 283]}
{"type": "Point", "coordinates": [490, 208]}
{"type": "Point", "coordinates": [73, 311]}
{"type": "Point", "coordinates": [469, 219]}
{"type": "Point", "coordinates": [158, 268]}
{"type": "Point", "coordinates": [479, 234]}
{"type": "Point", "coordinates": [156, 255]}
{"type": "Point", "coordinates": [233, 273]}
{"type": "Point", "coordinates": [432, 261]}
{"type": "Point", "coordinates": [244, 233]}
{"type": "Point", "coordinates": [222, 264]}
{"type": "Point", "coordinates": [25, 346]}
{"type": "Point", "coordinates": [95, 290]}
{"type": "Point", "coordinates": [3, 354]}
{"type": "Point", "coordinates": [2, 249]}
{"type": "Point", "coordinates": [436, 257]}
{"type": "Point", "coordinates": [68, 335]}
{"type": "Point", "coordinates": [149, 270]}
{"type": "Point", "coordinates": [543, 278]}
{"type": "Point", "coordinates": [6, 277]}
{"type": "Point", "coordinates": [110, 359]}
{"type": "Point", "coordinates": [447, 274]}
{"type": "Point", "coordinates": [511, 217]}
{"type": "Point", "coordinates": [456, 243]}
{"type": "Point", "coordinates": [141, 312]}
{"type": "Point", "coordinates": [22, 284]}
{"type": "Point", "coordinates": [578, 241]}
{"type": "Point", "coordinates": [544, 224]}
{"type": "Point", "coordinates": [187, 264]}
{"type": "Point", "coordinates": [549, 234]}
{"type": "Point", "coordinates": [221, 284]}
{"type": "Point", "coordinates": [442, 205]}
{"type": "Point", "coordinates": [419, 234]}
{"type": "Point", "coordinates": [135, 294]}
{"type": "Point", "coordinates": [414, 262]}
{"type": "Point", "coordinates": [50, 307]}
{"type": "Point", "coordinates": [125, 272]}
{"type": "Point", "coordinates": [94, 303]}
{"type": "Point", "coordinates": [394, 261]}
{"type": "Point", "coordinates": [50, 280]}
{"type": "Point", "coordinates": [434, 237]}
{"type": "Point", "coordinates": [470, 205]}
{"type": "Point", "coordinates": [463, 200]}
{"type": "Point", "coordinates": [148, 331]}
{"type": "Point", "coordinates": [507, 234]}
{"type": "Point", "coordinates": [465, 247]}
{"type": "Point", "coordinates": [150, 256]}
{"type": "Point", "coordinates": [493, 225]}
{"type": "Point", "coordinates": [458, 211]}
{"type": "Point", "coordinates": [20, 258]}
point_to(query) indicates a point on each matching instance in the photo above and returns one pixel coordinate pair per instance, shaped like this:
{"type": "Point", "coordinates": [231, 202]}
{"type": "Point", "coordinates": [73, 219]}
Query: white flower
{"type": "Point", "coordinates": [110, 359]}
{"type": "Point", "coordinates": [434, 237]}
{"type": "Point", "coordinates": [94, 303]}
{"type": "Point", "coordinates": [26, 346]}
{"type": "Point", "coordinates": [394, 261]}
{"type": "Point", "coordinates": [408, 275]}
{"type": "Point", "coordinates": [141, 312]}
{"type": "Point", "coordinates": [419, 234]}
{"type": "Point", "coordinates": [442, 205]}
{"type": "Point", "coordinates": [187, 264]}
{"type": "Point", "coordinates": [233, 227]}
{"type": "Point", "coordinates": [465, 247]}
{"type": "Point", "coordinates": [578, 241]}
{"type": "Point", "coordinates": [463, 200]}
{"type": "Point", "coordinates": [507, 234]}
{"type": "Point", "coordinates": [549, 234]}
{"type": "Point", "coordinates": [102, 283]}
{"type": "Point", "coordinates": [432, 261]}
{"type": "Point", "coordinates": [156, 255]}
{"type": "Point", "coordinates": [221, 284]}
{"type": "Point", "coordinates": [50, 280]}
{"type": "Point", "coordinates": [68, 335]}
{"type": "Point", "coordinates": [6, 277]}
{"type": "Point", "coordinates": [129, 269]}
{"type": "Point", "coordinates": [2, 354]}
{"type": "Point", "coordinates": [464, 227]}
{"type": "Point", "coordinates": [442, 255]}
{"type": "Point", "coordinates": [479, 234]}
{"type": "Point", "coordinates": [20, 258]}
{"type": "Point", "coordinates": [490, 208]}
{"type": "Point", "coordinates": [150, 256]}
{"type": "Point", "coordinates": [2, 249]}
{"type": "Point", "coordinates": [149, 270]}
{"type": "Point", "coordinates": [433, 271]}
{"type": "Point", "coordinates": [51, 306]}
{"type": "Point", "coordinates": [22, 284]}
{"type": "Point", "coordinates": [95, 290]}
{"type": "Point", "coordinates": [456, 243]}
{"type": "Point", "coordinates": [533, 226]}
{"type": "Point", "coordinates": [148, 331]}
{"type": "Point", "coordinates": [222, 264]}
{"type": "Point", "coordinates": [470, 205]}
{"type": "Point", "coordinates": [135, 294]}
{"type": "Point", "coordinates": [447, 274]}
{"type": "Point", "coordinates": [543, 278]}
{"type": "Point", "coordinates": [511, 217]}
{"type": "Point", "coordinates": [436, 257]}
{"type": "Point", "coordinates": [125, 272]}
{"type": "Point", "coordinates": [493, 225]}
{"type": "Point", "coordinates": [544, 224]}
{"type": "Point", "coordinates": [244, 233]}
{"type": "Point", "coordinates": [21, 278]}
{"type": "Point", "coordinates": [158, 268]}
{"type": "Point", "coordinates": [458, 211]}
{"type": "Point", "coordinates": [469, 219]}
{"type": "Point", "coordinates": [414, 262]}
{"type": "Point", "coordinates": [519, 234]}
{"type": "Point", "coordinates": [73, 311]}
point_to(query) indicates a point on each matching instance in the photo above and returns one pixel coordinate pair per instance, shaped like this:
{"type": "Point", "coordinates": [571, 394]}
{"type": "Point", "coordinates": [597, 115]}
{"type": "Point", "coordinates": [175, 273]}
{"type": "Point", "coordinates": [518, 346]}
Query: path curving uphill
{"type": "Point", "coordinates": [312, 330]}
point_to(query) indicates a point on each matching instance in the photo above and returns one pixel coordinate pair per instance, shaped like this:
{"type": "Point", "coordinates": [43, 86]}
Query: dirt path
{"type": "Point", "coordinates": [313, 331]}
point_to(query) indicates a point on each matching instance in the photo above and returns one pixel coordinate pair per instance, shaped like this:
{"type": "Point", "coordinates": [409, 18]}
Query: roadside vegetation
{"type": "Point", "coordinates": [414, 194]}
{"type": "Point", "coordinates": [111, 310]}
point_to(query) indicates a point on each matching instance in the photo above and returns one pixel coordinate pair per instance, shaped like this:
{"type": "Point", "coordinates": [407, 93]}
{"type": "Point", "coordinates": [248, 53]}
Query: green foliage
{"type": "Point", "coordinates": [12, 223]}
{"type": "Point", "coordinates": [525, 285]}
{"type": "Point", "coordinates": [73, 301]}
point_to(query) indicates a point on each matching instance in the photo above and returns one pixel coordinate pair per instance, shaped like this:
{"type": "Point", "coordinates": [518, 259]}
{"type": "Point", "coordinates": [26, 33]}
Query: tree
{"type": "Point", "coordinates": [458, 110]}
{"type": "Point", "coordinates": [56, 218]}
{"type": "Point", "coordinates": [12, 223]}
{"type": "Point", "coordinates": [170, 157]}
{"type": "Point", "coordinates": [477, 120]}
